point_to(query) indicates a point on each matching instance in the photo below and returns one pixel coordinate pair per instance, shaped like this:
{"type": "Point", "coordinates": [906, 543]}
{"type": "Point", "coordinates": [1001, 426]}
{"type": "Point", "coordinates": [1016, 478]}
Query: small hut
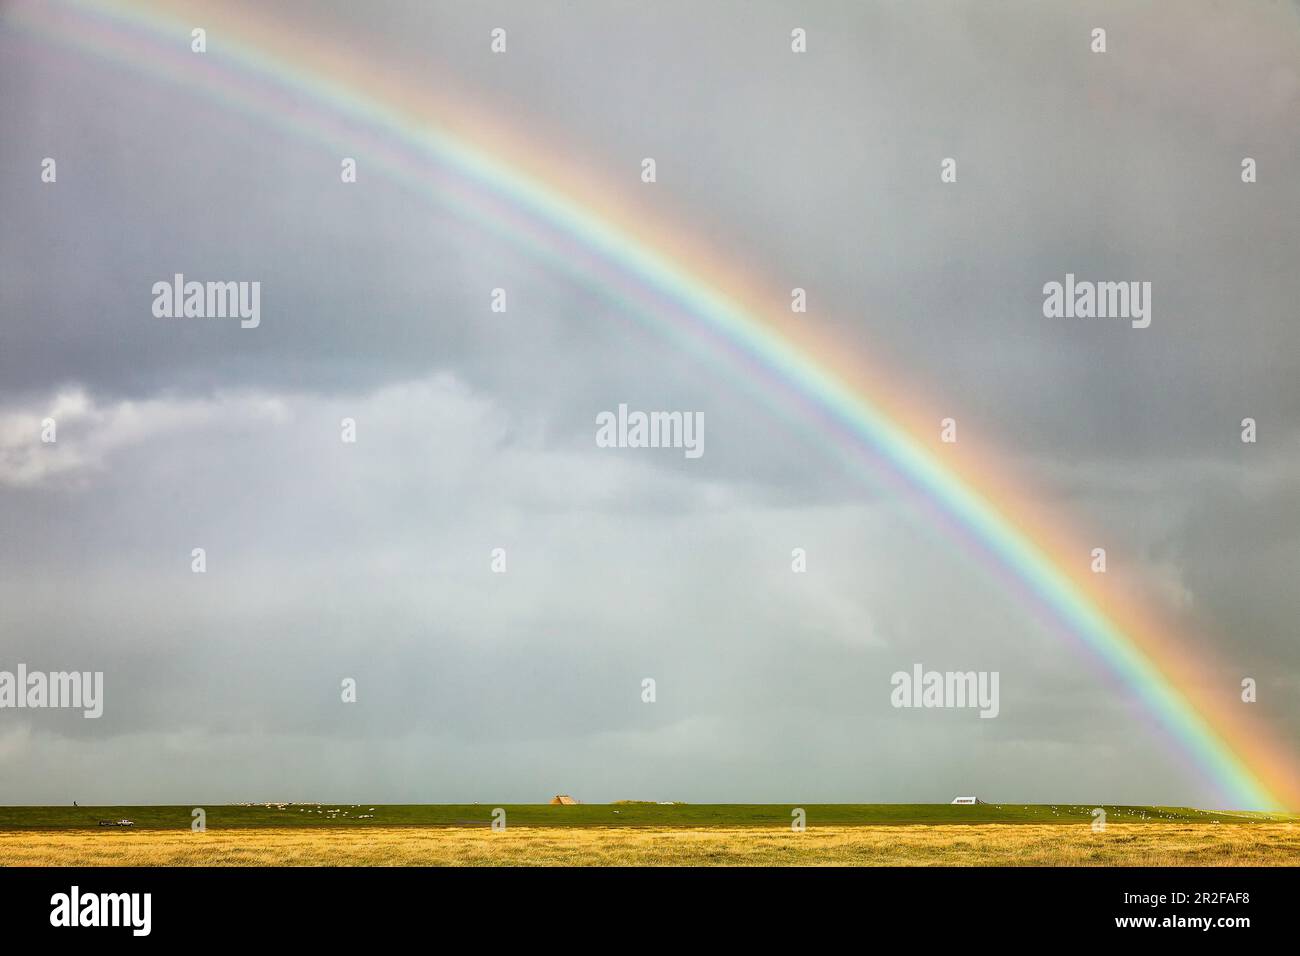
{"type": "Point", "coordinates": [563, 800]}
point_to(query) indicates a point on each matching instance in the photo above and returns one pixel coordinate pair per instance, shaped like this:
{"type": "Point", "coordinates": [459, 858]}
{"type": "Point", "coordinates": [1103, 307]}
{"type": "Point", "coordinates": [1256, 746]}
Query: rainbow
{"type": "Point", "coordinates": [464, 163]}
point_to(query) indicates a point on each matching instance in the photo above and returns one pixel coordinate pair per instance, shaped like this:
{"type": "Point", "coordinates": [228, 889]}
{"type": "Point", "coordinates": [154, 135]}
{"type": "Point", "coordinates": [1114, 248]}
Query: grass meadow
{"type": "Point", "coordinates": [1047, 844]}
{"type": "Point", "coordinates": [642, 834]}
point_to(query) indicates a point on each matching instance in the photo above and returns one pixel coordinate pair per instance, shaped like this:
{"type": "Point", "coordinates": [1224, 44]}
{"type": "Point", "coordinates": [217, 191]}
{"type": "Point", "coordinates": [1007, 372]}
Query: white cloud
{"type": "Point", "coordinates": [88, 433]}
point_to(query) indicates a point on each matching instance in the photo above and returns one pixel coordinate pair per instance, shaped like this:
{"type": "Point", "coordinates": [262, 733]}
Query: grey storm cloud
{"type": "Point", "coordinates": [371, 561]}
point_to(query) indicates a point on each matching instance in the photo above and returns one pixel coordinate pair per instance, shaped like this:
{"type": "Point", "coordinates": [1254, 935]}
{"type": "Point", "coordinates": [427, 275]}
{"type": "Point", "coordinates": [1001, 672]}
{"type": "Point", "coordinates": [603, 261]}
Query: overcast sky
{"type": "Point", "coordinates": [475, 430]}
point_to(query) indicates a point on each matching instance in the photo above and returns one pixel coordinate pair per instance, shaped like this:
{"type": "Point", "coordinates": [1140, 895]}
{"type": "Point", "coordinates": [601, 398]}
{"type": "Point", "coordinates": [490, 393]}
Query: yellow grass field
{"type": "Point", "coordinates": [1144, 844]}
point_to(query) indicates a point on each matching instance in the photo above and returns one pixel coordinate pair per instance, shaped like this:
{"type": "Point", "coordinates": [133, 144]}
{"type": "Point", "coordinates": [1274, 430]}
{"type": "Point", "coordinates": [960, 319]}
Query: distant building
{"type": "Point", "coordinates": [563, 800]}
{"type": "Point", "coordinates": [967, 801]}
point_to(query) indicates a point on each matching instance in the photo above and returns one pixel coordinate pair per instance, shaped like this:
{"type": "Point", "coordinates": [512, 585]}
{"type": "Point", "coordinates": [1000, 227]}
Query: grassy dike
{"type": "Point", "coordinates": [314, 815]}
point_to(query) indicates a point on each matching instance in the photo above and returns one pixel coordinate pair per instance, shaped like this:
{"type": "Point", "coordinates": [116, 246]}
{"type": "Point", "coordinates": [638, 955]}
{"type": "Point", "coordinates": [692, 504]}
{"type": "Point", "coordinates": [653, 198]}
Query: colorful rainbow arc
{"type": "Point", "coordinates": [529, 210]}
